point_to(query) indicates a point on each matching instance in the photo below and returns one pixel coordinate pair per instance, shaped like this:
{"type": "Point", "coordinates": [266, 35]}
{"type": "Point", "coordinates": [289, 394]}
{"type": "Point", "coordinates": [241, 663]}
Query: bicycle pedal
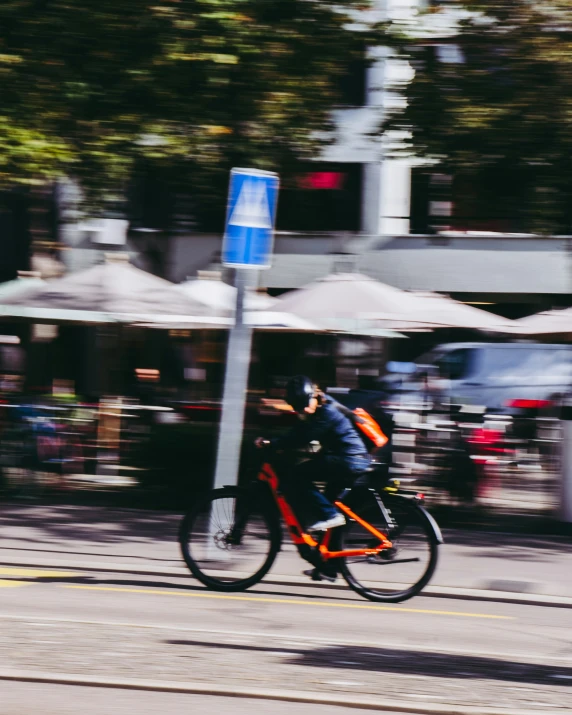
{"type": "Point", "coordinates": [316, 575]}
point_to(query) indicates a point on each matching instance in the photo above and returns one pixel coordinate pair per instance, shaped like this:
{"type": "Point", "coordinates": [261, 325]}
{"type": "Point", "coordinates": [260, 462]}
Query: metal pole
{"type": "Point", "coordinates": [566, 463]}
{"type": "Point", "coordinates": [235, 386]}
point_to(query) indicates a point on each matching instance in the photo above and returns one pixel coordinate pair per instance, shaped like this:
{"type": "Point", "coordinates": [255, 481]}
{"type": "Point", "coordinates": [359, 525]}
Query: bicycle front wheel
{"type": "Point", "coordinates": [229, 541]}
{"type": "Point", "coordinates": [398, 573]}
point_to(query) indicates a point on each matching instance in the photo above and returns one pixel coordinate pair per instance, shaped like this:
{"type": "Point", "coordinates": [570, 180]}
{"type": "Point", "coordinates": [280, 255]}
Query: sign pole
{"type": "Point", "coordinates": [247, 247]}
{"type": "Point", "coordinates": [235, 387]}
{"type": "Point", "coordinates": [566, 462]}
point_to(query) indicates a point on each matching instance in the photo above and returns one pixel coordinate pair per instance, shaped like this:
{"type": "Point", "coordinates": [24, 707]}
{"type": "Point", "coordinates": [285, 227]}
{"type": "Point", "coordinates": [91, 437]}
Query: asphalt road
{"type": "Point", "coordinates": [18, 698]}
{"type": "Point", "coordinates": [426, 652]}
{"type": "Point", "coordinates": [147, 540]}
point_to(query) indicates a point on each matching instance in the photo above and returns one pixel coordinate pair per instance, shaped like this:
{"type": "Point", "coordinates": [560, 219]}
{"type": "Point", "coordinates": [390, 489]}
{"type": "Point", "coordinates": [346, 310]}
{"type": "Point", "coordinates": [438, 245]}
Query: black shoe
{"type": "Point", "coordinates": [316, 575]}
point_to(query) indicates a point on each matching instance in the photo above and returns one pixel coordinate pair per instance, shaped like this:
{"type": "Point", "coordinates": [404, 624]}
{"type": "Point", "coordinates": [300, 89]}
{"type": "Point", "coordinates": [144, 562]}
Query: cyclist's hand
{"type": "Point", "coordinates": [260, 442]}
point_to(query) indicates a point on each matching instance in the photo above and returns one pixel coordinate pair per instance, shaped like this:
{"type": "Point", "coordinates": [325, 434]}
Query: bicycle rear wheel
{"type": "Point", "coordinates": [401, 572]}
{"type": "Point", "coordinates": [229, 540]}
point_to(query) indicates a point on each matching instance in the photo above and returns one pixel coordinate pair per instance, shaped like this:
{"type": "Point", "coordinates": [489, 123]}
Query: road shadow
{"type": "Point", "coordinates": [390, 661]}
{"type": "Point", "coordinates": [42, 524]}
{"type": "Point", "coordinates": [518, 547]}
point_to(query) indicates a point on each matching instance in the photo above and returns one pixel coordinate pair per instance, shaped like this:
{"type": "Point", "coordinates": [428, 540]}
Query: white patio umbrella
{"type": "Point", "coordinates": [273, 321]}
{"type": "Point", "coordinates": [259, 320]}
{"type": "Point", "coordinates": [549, 322]}
{"type": "Point", "coordinates": [340, 298]}
{"type": "Point", "coordinates": [269, 320]}
{"type": "Point", "coordinates": [114, 291]}
{"type": "Point", "coordinates": [352, 302]}
{"type": "Point", "coordinates": [445, 311]}
{"type": "Point", "coordinates": [20, 286]}
{"type": "Point", "coordinates": [210, 290]}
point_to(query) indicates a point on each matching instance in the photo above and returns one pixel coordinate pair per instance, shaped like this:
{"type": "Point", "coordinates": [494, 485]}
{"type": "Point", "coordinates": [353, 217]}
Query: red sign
{"type": "Point", "coordinates": [329, 180]}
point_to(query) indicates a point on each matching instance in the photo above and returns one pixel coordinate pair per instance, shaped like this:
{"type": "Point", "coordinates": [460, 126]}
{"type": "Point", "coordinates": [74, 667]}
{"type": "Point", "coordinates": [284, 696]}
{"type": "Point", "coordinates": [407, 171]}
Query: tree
{"type": "Point", "coordinates": [492, 100]}
{"type": "Point", "coordinates": [92, 88]}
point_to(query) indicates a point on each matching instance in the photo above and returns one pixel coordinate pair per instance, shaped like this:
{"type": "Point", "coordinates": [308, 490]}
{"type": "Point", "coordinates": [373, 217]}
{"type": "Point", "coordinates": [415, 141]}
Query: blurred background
{"type": "Point", "coordinates": [423, 149]}
{"type": "Point", "coordinates": [421, 270]}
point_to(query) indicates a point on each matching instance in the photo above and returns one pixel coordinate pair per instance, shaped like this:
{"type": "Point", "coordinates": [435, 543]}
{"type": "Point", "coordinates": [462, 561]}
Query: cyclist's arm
{"type": "Point", "coordinates": [301, 435]}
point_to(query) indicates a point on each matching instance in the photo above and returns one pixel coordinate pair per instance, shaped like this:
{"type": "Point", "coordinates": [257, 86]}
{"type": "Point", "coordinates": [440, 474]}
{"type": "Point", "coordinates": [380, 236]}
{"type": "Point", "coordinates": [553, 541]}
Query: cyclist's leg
{"type": "Point", "coordinates": [304, 497]}
{"type": "Point", "coordinates": [343, 474]}
{"type": "Point", "coordinates": [346, 473]}
{"type": "Point", "coordinates": [326, 470]}
{"type": "Point", "coordinates": [337, 475]}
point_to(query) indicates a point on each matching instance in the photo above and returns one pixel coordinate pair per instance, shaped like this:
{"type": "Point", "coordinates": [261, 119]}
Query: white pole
{"type": "Point", "coordinates": [566, 462]}
{"type": "Point", "coordinates": [235, 387]}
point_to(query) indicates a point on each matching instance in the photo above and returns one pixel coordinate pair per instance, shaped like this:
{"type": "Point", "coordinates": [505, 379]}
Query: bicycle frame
{"type": "Point", "coordinates": [301, 539]}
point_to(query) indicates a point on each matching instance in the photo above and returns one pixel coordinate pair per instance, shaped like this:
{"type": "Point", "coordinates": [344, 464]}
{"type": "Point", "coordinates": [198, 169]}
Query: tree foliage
{"type": "Point", "coordinates": [91, 87]}
{"type": "Point", "coordinates": [492, 97]}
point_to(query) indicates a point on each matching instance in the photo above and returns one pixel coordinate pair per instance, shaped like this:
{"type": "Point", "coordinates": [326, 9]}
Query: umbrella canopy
{"type": "Point", "coordinates": [342, 297]}
{"type": "Point", "coordinates": [275, 320]}
{"type": "Point", "coordinates": [114, 289]}
{"type": "Point", "coordinates": [365, 328]}
{"type": "Point", "coordinates": [20, 287]}
{"type": "Point", "coordinates": [210, 290]}
{"type": "Point", "coordinates": [259, 320]}
{"type": "Point", "coordinates": [549, 322]}
{"type": "Point", "coordinates": [268, 320]}
{"type": "Point", "coordinates": [343, 300]}
{"type": "Point", "coordinates": [445, 311]}
{"type": "Point", "coordinates": [271, 321]}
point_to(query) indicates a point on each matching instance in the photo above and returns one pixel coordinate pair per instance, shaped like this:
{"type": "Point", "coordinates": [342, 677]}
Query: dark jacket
{"type": "Point", "coordinates": [331, 428]}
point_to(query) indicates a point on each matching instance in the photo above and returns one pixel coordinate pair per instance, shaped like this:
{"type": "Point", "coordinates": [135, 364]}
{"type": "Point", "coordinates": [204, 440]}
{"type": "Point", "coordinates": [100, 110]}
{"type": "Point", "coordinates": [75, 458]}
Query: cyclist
{"type": "Point", "coordinates": [343, 457]}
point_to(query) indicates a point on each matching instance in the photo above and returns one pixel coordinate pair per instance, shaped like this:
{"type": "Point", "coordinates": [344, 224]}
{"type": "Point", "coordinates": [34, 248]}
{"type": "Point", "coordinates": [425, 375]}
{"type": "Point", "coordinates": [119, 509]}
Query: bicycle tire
{"type": "Point", "coordinates": [399, 506]}
{"type": "Point", "coordinates": [190, 526]}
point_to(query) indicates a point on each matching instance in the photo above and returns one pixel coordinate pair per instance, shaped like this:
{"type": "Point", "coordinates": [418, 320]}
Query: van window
{"type": "Point", "coordinates": [455, 364]}
{"type": "Point", "coordinates": [522, 363]}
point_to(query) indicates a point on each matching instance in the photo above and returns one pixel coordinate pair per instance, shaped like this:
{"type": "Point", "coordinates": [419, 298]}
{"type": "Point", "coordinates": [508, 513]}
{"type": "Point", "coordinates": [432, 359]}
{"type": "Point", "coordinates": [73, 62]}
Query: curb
{"type": "Point", "coordinates": [450, 592]}
{"type": "Point", "coordinates": [167, 686]}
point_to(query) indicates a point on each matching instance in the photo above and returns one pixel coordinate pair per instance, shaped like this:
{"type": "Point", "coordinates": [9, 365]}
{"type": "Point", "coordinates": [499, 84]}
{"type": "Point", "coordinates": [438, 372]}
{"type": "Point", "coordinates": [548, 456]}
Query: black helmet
{"type": "Point", "coordinates": [299, 392]}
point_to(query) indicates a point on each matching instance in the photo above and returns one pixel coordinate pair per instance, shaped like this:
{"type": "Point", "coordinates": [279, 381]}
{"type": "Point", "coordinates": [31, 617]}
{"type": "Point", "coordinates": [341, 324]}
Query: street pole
{"type": "Point", "coordinates": [566, 462]}
{"type": "Point", "coordinates": [247, 247]}
{"type": "Point", "coordinates": [235, 388]}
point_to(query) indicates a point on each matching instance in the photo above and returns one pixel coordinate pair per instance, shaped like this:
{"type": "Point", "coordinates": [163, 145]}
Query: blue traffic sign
{"type": "Point", "coordinates": [250, 218]}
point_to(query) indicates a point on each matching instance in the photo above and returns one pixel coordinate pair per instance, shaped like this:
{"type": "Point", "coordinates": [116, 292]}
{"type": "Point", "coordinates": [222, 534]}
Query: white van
{"type": "Point", "coordinates": [499, 376]}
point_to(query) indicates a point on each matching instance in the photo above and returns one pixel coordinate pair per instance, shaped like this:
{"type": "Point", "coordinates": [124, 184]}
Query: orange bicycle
{"type": "Point", "coordinates": [387, 551]}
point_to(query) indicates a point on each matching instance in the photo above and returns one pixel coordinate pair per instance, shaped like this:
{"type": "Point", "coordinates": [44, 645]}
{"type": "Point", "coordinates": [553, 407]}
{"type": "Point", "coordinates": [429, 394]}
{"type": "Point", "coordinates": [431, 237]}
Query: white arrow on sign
{"type": "Point", "coordinates": [251, 209]}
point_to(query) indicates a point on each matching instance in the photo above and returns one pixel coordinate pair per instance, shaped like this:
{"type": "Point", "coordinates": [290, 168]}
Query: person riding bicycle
{"type": "Point", "coordinates": [343, 457]}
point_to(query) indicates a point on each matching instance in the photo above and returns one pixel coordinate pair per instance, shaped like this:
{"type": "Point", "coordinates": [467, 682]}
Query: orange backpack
{"type": "Point", "coordinates": [371, 432]}
{"type": "Point", "coordinates": [369, 427]}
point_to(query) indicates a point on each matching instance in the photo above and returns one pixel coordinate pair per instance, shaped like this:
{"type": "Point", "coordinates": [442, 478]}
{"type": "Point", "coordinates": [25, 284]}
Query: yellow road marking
{"type": "Point", "coordinates": [35, 573]}
{"type": "Point", "coordinates": [291, 601]}
{"type": "Point", "coordinates": [6, 584]}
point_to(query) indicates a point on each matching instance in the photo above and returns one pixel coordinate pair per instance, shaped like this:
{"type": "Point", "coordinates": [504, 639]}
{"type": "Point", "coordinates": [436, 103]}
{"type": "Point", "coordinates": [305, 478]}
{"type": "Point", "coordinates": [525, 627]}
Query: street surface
{"type": "Point", "coordinates": [289, 636]}
{"type": "Point", "coordinates": [64, 700]}
{"type": "Point", "coordinates": [146, 541]}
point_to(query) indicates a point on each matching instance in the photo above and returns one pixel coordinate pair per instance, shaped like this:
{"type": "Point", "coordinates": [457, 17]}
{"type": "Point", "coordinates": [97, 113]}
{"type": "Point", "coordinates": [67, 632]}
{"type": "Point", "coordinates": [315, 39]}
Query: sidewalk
{"type": "Point", "coordinates": [473, 564]}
